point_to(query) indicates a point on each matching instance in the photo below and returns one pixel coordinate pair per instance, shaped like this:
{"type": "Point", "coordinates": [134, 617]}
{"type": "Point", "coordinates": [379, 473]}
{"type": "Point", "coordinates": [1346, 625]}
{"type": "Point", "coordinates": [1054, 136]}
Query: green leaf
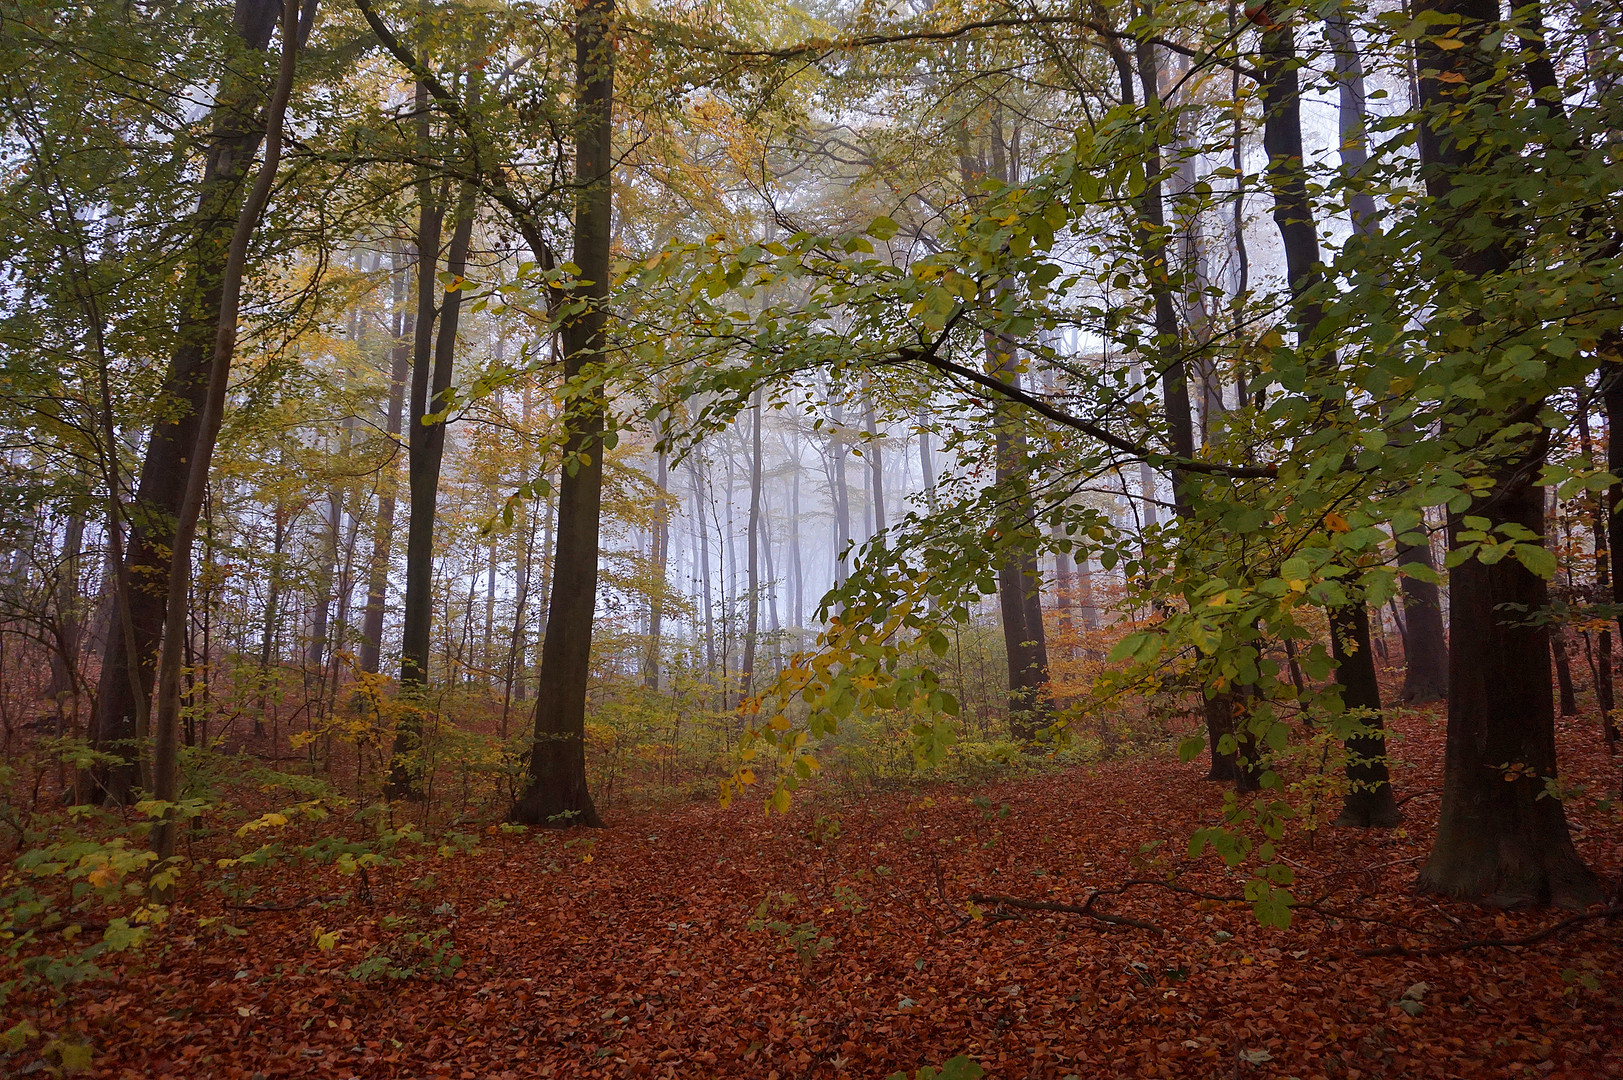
{"type": "Point", "coordinates": [883, 228]}
{"type": "Point", "coordinates": [1537, 558]}
{"type": "Point", "coordinates": [1190, 747]}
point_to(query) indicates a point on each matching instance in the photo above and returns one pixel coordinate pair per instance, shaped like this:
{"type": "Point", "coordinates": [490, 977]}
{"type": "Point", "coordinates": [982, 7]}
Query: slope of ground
{"type": "Point", "coordinates": [839, 941]}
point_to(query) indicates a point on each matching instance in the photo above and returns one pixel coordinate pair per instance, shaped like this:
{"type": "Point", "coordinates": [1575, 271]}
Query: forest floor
{"type": "Point", "coordinates": [701, 941]}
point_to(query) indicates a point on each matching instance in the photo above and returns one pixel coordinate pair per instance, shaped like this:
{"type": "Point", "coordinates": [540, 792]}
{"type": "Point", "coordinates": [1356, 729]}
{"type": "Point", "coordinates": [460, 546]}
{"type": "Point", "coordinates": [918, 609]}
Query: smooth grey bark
{"type": "Point", "coordinates": [556, 791]}
{"type": "Point", "coordinates": [661, 543]}
{"type": "Point", "coordinates": [166, 715]}
{"type": "Point", "coordinates": [425, 448]}
{"type": "Point", "coordinates": [400, 356]}
{"type": "Point", "coordinates": [746, 674]}
{"type": "Point", "coordinates": [127, 666]}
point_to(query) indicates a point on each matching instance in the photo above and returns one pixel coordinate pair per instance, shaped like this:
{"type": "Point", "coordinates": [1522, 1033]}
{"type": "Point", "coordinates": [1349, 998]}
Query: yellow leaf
{"type": "Point", "coordinates": [1336, 523]}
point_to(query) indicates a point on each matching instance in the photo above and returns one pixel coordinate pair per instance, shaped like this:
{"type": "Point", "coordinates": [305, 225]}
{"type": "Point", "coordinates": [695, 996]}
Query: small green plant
{"type": "Point", "coordinates": [962, 1067]}
{"type": "Point", "coordinates": [824, 830]}
{"type": "Point", "coordinates": [805, 939]}
{"type": "Point", "coordinates": [989, 813]}
{"type": "Point", "coordinates": [424, 954]}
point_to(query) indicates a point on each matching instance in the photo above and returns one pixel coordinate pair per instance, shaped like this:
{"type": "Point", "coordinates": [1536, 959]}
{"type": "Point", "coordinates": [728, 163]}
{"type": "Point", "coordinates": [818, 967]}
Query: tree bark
{"type": "Point", "coordinates": [746, 673]}
{"type": "Point", "coordinates": [377, 585]}
{"type": "Point", "coordinates": [166, 719]}
{"type": "Point", "coordinates": [661, 561]}
{"type": "Point", "coordinates": [425, 444]}
{"type": "Point", "coordinates": [1369, 799]}
{"type": "Point", "coordinates": [1425, 648]}
{"type": "Point", "coordinates": [1500, 840]}
{"type": "Point", "coordinates": [237, 131]}
{"type": "Point", "coordinates": [557, 793]}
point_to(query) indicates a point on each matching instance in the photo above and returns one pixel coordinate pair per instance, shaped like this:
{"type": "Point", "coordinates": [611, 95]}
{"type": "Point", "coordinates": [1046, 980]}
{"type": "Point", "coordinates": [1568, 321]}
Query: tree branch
{"type": "Point", "coordinates": [929, 357]}
{"type": "Point", "coordinates": [1065, 909]}
{"type": "Point", "coordinates": [488, 177]}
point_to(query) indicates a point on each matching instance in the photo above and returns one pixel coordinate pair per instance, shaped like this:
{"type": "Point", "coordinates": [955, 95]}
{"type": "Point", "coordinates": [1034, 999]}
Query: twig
{"type": "Point", "coordinates": [311, 902]}
{"type": "Point", "coordinates": [1067, 909]}
{"type": "Point", "coordinates": [1611, 912]}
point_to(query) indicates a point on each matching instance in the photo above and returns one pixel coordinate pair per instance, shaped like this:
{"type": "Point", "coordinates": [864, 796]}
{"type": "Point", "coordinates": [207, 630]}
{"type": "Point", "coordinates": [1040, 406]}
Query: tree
{"type": "Point", "coordinates": [1500, 839]}
{"type": "Point", "coordinates": [1425, 649]}
{"type": "Point", "coordinates": [166, 722]}
{"type": "Point", "coordinates": [127, 661]}
{"type": "Point", "coordinates": [555, 791]}
{"type": "Point", "coordinates": [1369, 799]}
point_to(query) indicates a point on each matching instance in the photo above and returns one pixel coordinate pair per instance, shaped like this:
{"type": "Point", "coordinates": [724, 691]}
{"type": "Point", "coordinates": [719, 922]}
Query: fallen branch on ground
{"type": "Point", "coordinates": [1067, 909]}
{"type": "Point", "coordinates": [1496, 943]}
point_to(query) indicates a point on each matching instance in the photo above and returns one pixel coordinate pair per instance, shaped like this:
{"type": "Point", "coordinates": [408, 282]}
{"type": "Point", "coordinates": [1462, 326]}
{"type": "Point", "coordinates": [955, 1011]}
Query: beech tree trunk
{"type": "Point", "coordinates": [1500, 840]}
{"type": "Point", "coordinates": [661, 560]}
{"type": "Point", "coordinates": [425, 444]}
{"type": "Point", "coordinates": [377, 584]}
{"type": "Point", "coordinates": [166, 713]}
{"type": "Point", "coordinates": [1218, 706]}
{"type": "Point", "coordinates": [1425, 649]}
{"type": "Point", "coordinates": [753, 558]}
{"type": "Point", "coordinates": [1369, 799]}
{"type": "Point", "coordinates": [238, 129]}
{"type": "Point", "coordinates": [556, 793]}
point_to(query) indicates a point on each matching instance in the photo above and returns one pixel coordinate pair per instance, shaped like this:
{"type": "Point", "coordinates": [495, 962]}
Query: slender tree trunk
{"type": "Point", "coordinates": [1611, 389]}
{"type": "Point", "coordinates": [798, 615]}
{"type": "Point", "coordinates": [1369, 801]}
{"type": "Point", "coordinates": [753, 559]}
{"type": "Point", "coordinates": [1500, 839]}
{"type": "Point", "coordinates": [425, 442]}
{"type": "Point", "coordinates": [661, 561]}
{"type": "Point", "coordinates": [841, 496]}
{"type": "Point", "coordinates": [315, 653]}
{"type": "Point", "coordinates": [69, 616]}
{"type": "Point", "coordinates": [702, 529]}
{"type": "Point", "coordinates": [235, 140]}
{"type": "Point", "coordinates": [557, 792]}
{"type": "Point", "coordinates": [1597, 507]}
{"type": "Point", "coordinates": [1425, 649]}
{"type": "Point", "coordinates": [166, 716]}
{"type": "Point", "coordinates": [876, 468]}
{"type": "Point", "coordinates": [377, 585]}
{"type": "Point", "coordinates": [1219, 706]}
{"type": "Point", "coordinates": [1563, 669]}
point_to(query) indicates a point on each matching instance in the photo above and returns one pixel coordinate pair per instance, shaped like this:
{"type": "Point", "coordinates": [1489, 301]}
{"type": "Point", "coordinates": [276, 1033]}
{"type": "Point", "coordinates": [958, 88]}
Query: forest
{"type": "Point", "coordinates": [811, 538]}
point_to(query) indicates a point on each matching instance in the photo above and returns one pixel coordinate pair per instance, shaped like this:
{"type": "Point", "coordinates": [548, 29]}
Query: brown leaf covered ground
{"type": "Point", "coordinates": [633, 955]}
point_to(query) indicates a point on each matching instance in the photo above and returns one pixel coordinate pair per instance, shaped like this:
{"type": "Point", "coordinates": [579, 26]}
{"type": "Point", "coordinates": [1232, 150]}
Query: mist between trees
{"type": "Point", "coordinates": [531, 413]}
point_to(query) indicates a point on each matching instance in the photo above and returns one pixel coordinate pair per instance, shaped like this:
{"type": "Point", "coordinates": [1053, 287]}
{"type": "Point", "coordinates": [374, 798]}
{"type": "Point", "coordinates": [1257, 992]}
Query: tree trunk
{"type": "Point", "coordinates": [1563, 669]}
{"type": "Point", "coordinates": [1611, 389]}
{"type": "Point", "coordinates": [166, 716]}
{"type": "Point", "coordinates": [746, 673]}
{"type": "Point", "coordinates": [1019, 596]}
{"type": "Point", "coordinates": [238, 129]}
{"type": "Point", "coordinates": [1369, 800]}
{"type": "Point", "coordinates": [377, 585]}
{"type": "Point", "coordinates": [876, 468]}
{"type": "Point", "coordinates": [1425, 649]}
{"type": "Point", "coordinates": [1598, 509]}
{"type": "Point", "coordinates": [1500, 840]}
{"type": "Point", "coordinates": [1218, 706]}
{"type": "Point", "coordinates": [841, 496]}
{"type": "Point", "coordinates": [425, 444]}
{"type": "Point", "coordinates": [557, 792]}
{"type": "Point", "coordinates": [661, 561]}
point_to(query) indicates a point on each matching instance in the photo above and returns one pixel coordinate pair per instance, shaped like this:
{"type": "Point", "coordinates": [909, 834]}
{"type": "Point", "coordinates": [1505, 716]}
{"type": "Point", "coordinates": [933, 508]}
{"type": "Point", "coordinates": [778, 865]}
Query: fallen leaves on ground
{"type": "Point", "coordinates": [839, 942]}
